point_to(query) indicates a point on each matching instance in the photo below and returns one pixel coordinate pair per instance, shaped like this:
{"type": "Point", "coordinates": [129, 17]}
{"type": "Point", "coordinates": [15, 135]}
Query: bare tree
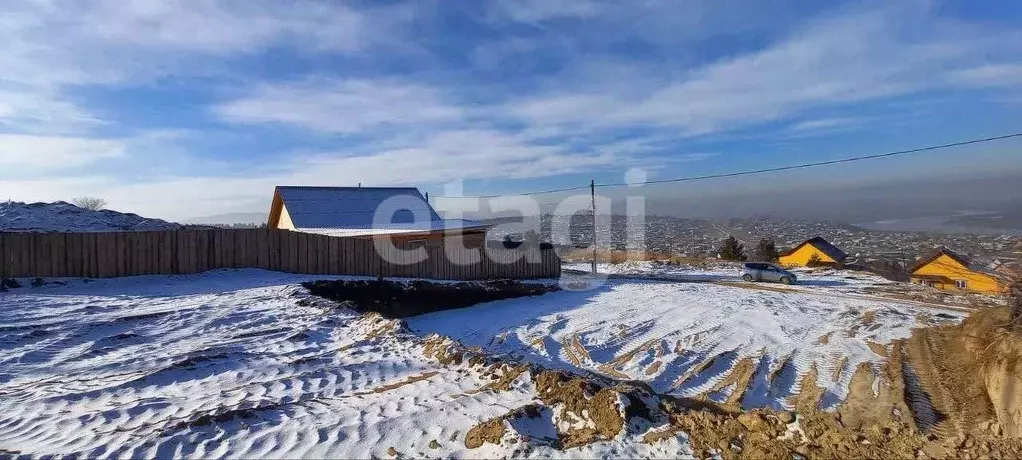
{"type": "Point", "coordinates": [89, 202]}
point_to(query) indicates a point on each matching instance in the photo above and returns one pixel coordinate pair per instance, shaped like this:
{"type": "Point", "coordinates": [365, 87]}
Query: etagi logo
{"type": "Point", "coordinates": [408, 214]}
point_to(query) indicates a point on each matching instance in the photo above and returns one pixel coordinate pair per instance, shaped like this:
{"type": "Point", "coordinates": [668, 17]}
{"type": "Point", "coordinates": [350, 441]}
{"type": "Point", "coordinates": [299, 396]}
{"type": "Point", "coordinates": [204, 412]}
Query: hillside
{"type": "Point", "coordinates": [66, 217]}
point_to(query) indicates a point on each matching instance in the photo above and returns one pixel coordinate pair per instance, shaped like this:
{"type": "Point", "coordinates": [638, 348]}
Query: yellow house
{"type": "Point", "coordinates": [801, 255]}
{"type": "Point", "coordinates": [944, 269]}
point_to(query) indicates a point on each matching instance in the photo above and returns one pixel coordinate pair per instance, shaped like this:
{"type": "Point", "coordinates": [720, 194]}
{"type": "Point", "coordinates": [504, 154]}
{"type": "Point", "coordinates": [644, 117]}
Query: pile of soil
{"type": "Point", "coordinates": [947, 391]}
{"type": "Point", "coordinates": [941, 394]}
{"type": "Point", "coordinates": [402, 299]}
{"type": "Point", "coordinates": [976, 377]}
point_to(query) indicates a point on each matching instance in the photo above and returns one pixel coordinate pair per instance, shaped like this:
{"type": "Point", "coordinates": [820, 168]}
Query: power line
{"type": "Point", "coordinates": [540, 192]}
{"type": "Point", "coordinates": [823, 163]}
{"type": "Point", "coordinates": [762, 171]}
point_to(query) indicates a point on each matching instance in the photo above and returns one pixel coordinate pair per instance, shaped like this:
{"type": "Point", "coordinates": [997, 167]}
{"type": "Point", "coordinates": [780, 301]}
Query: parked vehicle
{"type": "Point", "coordinates": [760, 271]}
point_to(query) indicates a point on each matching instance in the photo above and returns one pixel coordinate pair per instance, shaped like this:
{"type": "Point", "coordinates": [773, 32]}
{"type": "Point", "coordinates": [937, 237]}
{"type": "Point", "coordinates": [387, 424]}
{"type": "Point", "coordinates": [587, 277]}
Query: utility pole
{"type": "Point", "coordinates": [592, 195]}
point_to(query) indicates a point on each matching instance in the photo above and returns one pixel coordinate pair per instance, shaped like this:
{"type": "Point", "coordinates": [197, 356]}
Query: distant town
{"type": "Point", "coordinates": [701, 238]}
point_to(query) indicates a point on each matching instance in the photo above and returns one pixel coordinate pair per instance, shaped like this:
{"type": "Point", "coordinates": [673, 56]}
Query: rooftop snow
{"type": "Point", "coordinates": [340, 209]}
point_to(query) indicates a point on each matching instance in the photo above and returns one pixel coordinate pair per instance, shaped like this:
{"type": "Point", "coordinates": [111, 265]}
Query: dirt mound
{"type": "Point", "coordinates": [909, 408]}
{"type": "Point", "coordinates": [399, 299]}
{"type": "Point", "coordinates": [996, 355]}
{"type": "Point", "coordinates": [577, 411]}
{"type": "Point", "coordinates": [953, 381]}
{"type": "Point", "coordinates": [923, 402]}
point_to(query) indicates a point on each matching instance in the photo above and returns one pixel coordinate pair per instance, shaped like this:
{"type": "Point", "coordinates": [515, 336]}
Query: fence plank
{"type": "Point", "coordinates": [101, 255]}
{"type": "Point", "coordinates": [4, 262]}
{"type": "Point", "coordinates": [273, 238]}
{"type": "Point", "coordinates": [323, 255]}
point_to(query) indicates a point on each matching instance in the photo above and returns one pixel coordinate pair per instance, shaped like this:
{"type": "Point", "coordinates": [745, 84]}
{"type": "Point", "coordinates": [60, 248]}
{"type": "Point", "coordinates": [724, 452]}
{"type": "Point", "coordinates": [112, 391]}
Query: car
{"type": "Point", "coordinates": [761, 271]}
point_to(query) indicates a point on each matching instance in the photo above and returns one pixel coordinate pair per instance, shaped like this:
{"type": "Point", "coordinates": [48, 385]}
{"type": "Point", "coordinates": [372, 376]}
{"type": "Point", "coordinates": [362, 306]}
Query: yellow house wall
{"type": "Point", "coordinates": [948, 267]}
{"type": "Point", "coordinates": [285, 223]}
{"type": "Point", "coordinates": [801, 257]}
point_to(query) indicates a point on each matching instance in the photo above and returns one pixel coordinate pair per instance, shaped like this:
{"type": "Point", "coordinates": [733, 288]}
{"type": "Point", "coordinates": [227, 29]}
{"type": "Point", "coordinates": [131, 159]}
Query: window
{"type": "Point", "coordinates": [961, 284]}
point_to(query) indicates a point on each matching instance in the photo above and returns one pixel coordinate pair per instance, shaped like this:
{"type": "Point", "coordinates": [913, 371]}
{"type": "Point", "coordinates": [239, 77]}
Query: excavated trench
{"type": "Point", "coordinates": [396, 299]}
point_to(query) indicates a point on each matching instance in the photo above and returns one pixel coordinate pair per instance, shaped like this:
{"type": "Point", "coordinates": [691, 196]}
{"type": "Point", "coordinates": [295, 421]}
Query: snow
{"type": "Point", "coordinates": [242, 364]}
{"type": "Point", "coordinates": [686, 332]}
{"type": "Point", "coordinates": [399, 228]}
{"type": "Point", "coordinates": [65, 217]}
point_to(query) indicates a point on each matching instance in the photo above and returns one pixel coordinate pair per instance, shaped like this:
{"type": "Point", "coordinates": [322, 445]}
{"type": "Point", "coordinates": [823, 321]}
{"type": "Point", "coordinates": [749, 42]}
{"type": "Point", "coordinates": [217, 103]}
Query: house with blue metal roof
{"type": "Point", "coordinates": [401, 213]}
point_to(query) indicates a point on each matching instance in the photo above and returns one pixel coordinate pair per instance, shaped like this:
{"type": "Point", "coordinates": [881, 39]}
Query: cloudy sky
{"type": "Point", "coordinates": [178, 109]}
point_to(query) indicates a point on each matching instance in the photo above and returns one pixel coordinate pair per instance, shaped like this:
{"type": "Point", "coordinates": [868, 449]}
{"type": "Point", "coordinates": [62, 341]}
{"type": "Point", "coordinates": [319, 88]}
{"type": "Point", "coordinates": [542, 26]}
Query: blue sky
{"type": "Point", "coordinates": [199, 107]}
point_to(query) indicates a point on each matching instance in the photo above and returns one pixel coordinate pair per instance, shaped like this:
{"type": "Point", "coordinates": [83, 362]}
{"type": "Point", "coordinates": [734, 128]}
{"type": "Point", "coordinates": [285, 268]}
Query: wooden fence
{"type": "Point", "coordinates": [106, 255]}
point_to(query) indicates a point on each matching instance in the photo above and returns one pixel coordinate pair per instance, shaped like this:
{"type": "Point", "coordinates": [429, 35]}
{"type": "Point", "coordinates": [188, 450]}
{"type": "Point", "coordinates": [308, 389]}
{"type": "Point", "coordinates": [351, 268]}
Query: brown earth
{"type": "Point", "coordinates": [951, 391]}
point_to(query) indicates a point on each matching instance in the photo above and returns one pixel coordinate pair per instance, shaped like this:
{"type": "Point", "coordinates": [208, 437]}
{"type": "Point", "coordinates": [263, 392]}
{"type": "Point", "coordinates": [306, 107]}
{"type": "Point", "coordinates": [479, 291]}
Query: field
{"type": "Point", "coordinates": [247, 363]}
{"type": "Point", "coordinates": [702, 332]}
{"type": "Point", "coordinates": [237, 364]}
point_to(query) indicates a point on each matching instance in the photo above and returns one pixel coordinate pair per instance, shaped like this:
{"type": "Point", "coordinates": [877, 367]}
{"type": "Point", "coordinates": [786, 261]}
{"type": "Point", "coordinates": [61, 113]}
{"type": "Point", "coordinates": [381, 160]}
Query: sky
{"type": "Point", "coordinates": [179, 109]}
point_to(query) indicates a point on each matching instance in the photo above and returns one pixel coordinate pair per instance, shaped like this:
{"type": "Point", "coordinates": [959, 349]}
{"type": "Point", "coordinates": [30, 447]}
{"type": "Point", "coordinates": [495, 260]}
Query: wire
{"type": "Point", "coordinates": [541, 192]}
{"type": "Point", "coordinates": [762, 171]}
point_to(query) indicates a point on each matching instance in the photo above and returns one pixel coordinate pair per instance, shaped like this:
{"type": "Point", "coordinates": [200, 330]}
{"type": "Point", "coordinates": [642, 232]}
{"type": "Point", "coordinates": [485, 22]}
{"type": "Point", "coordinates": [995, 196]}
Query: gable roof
{"type": "Point", "coordinates": [942, 251]}
{"type": "Point", "coordinates": [352, 210]}
{"type": "Point", "coordinates": [823, 246]}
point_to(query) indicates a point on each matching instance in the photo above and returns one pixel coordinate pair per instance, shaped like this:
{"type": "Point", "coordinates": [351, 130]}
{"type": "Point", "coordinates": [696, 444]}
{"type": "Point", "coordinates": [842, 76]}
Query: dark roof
{"type": "Point", "coordinates": [824, 246]}
{"type": "Point", "coordinates": [933, 255]}
{"type": "Point", "coordinates": [356, 208]}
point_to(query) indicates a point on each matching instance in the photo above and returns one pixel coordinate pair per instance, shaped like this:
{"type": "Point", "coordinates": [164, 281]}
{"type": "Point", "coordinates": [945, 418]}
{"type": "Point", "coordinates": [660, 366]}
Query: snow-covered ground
{"type": "Point", "coordinates": [244, 364]}
{"type": "Point", "coordinates": [65, 217]}
{"type": "Point", "coordinates": [820, 280]}
{"type": "Point", "coordinates": [700, 331]}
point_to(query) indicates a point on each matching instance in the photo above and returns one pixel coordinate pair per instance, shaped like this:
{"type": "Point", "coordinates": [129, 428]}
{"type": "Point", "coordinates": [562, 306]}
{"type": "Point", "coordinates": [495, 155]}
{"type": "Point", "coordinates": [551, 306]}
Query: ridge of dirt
{"type": "Point", "coordinates": [873, 422]}
{"type": "Point", "coordinates": [964, 373]}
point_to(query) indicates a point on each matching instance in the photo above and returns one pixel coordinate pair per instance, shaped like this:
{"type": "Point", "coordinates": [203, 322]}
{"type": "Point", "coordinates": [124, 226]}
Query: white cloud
{"type": "Point", "coordinates": [49, 48]}
{"type": "Point", "coordinates": [35, 110]}
{"type": "Point", "coordinates": [825, 123]}
{"type": "Point", "coordinates": [19, 153]}
{"type": "Point", "coordinates": [543, 10]}
{"type": "Point", "coordinates": [841, 59]}
{"type": "Point", "coordinates": [341, 106]}
{"type": "Point", "coordinates": [989, 75]}
{"type": "Point", "coordinates": [100, 41]}
{"type": "Point", "coordinates": [453, 155]}
{"type": "Point", "coordinates": [219, 27]}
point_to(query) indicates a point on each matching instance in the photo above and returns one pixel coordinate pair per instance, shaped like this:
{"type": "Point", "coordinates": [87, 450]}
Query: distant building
{"type": "Point", "coordinates": [801, 255]}
{"type": "Point", "coordinates": [399, 213]}
{"type": "Point", "coordinates": [947, 270]}
{"type": "Point", "coordinates": [1007, 266]}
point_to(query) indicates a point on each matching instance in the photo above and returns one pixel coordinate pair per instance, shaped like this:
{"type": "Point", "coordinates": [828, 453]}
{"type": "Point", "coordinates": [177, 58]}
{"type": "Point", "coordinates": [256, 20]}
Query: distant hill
{"type": "Point", "coordinates": [256, 218]}
{"type": "Point", "coordinates": [66, 217]}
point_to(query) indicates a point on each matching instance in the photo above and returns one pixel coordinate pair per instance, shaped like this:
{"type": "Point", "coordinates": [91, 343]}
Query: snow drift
{"type": "Point", "coordinates": [66, 217]}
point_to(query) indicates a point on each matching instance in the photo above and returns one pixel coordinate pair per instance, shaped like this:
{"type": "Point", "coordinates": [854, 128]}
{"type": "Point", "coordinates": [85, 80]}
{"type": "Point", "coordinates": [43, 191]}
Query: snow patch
{"type": "Point", "coordinates": [66, 217]}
